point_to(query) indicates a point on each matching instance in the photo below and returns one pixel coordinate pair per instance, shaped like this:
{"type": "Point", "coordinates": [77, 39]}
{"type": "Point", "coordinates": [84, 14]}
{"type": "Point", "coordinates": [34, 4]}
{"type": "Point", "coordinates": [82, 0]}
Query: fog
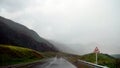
{"type": "Point", "coordinates": [79, 24]}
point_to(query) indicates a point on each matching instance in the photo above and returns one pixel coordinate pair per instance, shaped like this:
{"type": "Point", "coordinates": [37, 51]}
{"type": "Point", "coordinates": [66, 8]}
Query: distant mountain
{"type": "Point", "coordinates": [116, 56]}
{"type": "Point", "coordinates": [103, 59]}
{"type": "Point", "coordinates": [63, 47]}
{"type": "Point", "coordinates": [16, 34]}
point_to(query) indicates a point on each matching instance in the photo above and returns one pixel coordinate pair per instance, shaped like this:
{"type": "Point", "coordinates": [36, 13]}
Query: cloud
{"type": "Point", "coordinates": [13, 5]}
{"type": "Point", "coordinates": [69, 21]}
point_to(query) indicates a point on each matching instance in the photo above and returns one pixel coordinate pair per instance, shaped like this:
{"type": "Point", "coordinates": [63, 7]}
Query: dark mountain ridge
{"type": "Point", "coordinates": [16, 34]}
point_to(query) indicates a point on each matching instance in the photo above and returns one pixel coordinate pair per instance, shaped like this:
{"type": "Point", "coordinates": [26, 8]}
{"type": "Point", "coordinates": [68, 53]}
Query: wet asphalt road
{"type": "Point", "coordinates": [55, 63]}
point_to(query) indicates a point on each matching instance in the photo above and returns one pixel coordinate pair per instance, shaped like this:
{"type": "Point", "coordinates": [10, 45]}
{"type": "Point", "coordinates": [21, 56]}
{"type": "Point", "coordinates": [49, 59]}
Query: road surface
{"type": "Point", "coordinates": [55, 63]}
{"type": "Point", "coordinates": [61, 63]}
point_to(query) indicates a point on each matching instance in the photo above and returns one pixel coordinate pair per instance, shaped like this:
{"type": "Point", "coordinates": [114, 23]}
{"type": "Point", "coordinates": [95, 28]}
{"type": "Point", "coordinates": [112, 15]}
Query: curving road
{"type": "Point", "coordinates": [55, 63]}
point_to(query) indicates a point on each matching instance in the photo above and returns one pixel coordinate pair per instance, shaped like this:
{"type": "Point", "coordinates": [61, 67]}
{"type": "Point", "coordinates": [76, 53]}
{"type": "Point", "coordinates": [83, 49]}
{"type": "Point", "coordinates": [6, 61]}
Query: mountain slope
{"type": "Point", "coordinates": [63, 47]}
{"type": "Point", "coordinates": [13, 54]}
{"type": "Point", "coordinates": [103, 59]}
{"type": "Point", "coordinates": [116, 56]}
{"type": "Point", "coordinates": [19, 35]}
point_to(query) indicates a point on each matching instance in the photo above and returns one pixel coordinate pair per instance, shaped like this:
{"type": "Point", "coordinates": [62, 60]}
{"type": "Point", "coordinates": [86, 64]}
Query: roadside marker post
{"type": "Point", "coordinates": [96, 51]}
{"type": "Point", "coordinates": [96, 59]}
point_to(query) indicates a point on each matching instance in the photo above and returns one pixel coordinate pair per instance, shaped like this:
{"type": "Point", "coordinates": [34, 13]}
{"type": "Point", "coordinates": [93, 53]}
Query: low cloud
{"type": "Point", "coordinates": [70, 21]}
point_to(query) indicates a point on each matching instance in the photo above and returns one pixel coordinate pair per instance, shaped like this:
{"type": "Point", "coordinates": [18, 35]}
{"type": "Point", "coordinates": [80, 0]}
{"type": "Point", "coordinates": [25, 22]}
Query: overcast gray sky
{"type": "Point", "coordinates": [81, 24]}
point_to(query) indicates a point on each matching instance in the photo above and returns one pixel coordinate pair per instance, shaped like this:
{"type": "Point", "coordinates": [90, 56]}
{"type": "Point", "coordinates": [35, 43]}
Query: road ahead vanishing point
{"type": "Point", "coordinates": [56, 63]}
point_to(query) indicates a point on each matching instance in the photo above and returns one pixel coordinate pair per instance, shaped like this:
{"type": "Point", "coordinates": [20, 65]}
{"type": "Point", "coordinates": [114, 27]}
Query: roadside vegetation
{"type": "Point", "coordinates": [10, 55]}
{"type": "Point", "coordinates": [15, 55]}
{"type": "Point", "coordinates": [103, 59]}
{"type": "Point", "coordinates": [118, 63]}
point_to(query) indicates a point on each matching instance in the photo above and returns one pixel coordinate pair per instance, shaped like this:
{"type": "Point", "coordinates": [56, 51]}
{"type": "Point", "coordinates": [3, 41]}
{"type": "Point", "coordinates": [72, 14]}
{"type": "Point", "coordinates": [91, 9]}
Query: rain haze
{"type": "Point", "coordinates": [81, 25]}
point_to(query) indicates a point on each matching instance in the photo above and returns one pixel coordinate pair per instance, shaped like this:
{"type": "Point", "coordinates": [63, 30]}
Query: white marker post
{"type": "Point", "coordinates": [96, 51]}
{"type": "Point", "coordinates": [96, 58]}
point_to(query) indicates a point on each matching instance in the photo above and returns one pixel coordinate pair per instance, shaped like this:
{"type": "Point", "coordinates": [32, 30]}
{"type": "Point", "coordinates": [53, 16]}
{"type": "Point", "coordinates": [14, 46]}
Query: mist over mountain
{"type": "Point", "coordinates": [64, 47]}
{"type": "Point", "coordinates": [16, 34]}
{"type": "Point", "coordinates": [116, 56]}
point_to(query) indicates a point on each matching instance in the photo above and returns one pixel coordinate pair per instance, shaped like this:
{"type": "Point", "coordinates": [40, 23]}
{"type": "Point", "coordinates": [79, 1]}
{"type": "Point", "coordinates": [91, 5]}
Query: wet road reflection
{"type": "Point", "coordinates": [56, 63]}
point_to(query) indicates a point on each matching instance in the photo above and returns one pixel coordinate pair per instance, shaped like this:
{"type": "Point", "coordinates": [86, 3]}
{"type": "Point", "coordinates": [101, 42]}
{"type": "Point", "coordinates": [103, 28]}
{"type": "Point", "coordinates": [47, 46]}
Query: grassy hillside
{"type": "Point", "coordinates": [103, 59]}
{"type": "Point", "coordinates": [13, 55]}
{"type": "Point", "coordinates": [117, 63]}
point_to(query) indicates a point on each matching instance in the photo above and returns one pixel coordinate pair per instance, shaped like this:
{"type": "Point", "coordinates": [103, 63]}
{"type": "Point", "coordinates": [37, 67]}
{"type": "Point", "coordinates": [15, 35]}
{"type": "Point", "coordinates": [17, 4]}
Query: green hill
{"type": "Point", "coordinates": [103, 59]}
{"type": "Point", "coordinates": [14, 55]}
